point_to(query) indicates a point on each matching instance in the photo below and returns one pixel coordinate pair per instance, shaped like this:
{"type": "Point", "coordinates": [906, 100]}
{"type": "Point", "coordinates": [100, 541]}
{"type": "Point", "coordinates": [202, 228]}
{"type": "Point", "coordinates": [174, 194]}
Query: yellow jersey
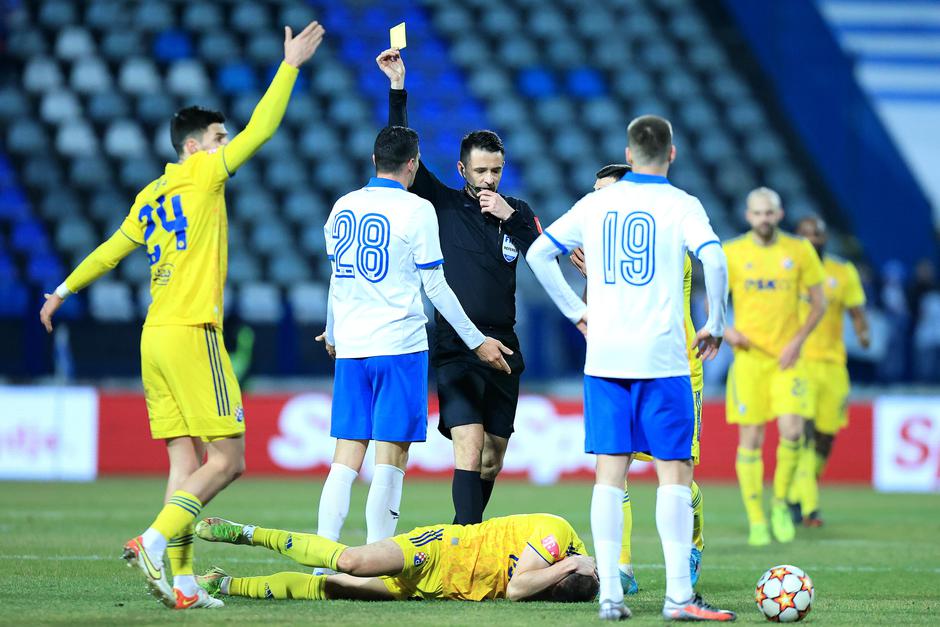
{"type": "Point", "coordinates": [843, 290]}
{"type": "Point", "coordinates": [181, 218]}
{"type": "Point", "coordinates": [477, 561]}
{"type": "Point", "coordinates": [766, 283]}
{"type": "Point", "coordinates": [695, 364]}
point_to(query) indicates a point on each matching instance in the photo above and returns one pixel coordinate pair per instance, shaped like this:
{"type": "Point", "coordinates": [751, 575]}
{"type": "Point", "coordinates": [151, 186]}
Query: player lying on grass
{"type": "Point", "coordinates": [523, 557]}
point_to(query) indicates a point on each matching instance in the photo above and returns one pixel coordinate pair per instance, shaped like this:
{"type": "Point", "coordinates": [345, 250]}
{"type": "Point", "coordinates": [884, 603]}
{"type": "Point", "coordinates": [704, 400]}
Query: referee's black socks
{"type": "Point", "coordinates": [487, 486]}
{"type": "Point", "coordinates": [467, 492]}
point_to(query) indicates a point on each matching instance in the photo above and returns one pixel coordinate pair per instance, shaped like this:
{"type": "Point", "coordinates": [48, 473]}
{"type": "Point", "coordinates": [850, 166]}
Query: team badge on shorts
{"type": "Point", "coordinates": [420, 558]}
{"type": "Point", "coordinates": [510, 252]}
{"type": "Point", "coordinates": [239, 413]}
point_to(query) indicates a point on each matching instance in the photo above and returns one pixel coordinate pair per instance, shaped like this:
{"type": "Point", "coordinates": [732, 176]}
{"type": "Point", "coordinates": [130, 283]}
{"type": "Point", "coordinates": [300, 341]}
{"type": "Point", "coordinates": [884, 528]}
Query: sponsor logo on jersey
{"type": "Point", "coordinates": [510, 252]}
{"type": "Point", "coordinates": [420, 558]}
{"type": "Point", "coordinates": [163, 273]}
{"type": "Point", "coordinates": [551, 545]}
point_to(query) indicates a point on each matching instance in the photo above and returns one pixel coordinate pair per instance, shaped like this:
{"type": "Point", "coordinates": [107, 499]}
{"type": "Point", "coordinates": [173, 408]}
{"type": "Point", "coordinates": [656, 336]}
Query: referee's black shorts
{"type": "Point", "coordinates": [473, 393]}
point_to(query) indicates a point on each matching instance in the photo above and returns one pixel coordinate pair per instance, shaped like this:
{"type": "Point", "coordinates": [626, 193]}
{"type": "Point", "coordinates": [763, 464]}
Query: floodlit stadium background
{"type": "Point", "coordinates": [834, 103]}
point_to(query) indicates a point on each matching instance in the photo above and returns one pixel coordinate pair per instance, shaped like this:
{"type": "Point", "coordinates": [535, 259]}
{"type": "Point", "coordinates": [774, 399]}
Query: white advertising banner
{"type": "Point", "coordinates": [48, 433]}
{"type": "Point", "coordinates": [907, 444]}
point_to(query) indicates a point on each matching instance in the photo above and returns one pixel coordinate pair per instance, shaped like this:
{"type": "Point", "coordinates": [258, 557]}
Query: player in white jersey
{"type": "Point", "coordinates": [637, 392]}
{"type": "Point", "coordinates": [383, 242]}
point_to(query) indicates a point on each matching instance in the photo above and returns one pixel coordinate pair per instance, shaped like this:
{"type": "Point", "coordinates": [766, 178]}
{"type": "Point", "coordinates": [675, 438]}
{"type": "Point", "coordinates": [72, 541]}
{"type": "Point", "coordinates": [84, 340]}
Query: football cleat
{"type": "Point", "coordinates": [781, 524]}
{"type": "Point", "coordinates": [201, 599]}
{"type": "Point", "coordinates": [695, 609]}
{"type": "Point", "coordinates": [695, 565]}
{"type": "Point", "coordinates": [759, 535]}
{"type": "Point", "coordinates": [221, 530]}
{"type": "Point", "coordinates": [813, 520]}
{"type": "Point", "coordinates": [628, 583]}
{"type": "Point", "coordinates": [796, 513]}
{"type": "Point", "coordinates": [135, 555]}
{"type": "Point", "coordinates": [611, 610]}
{"type": "Point", "coordinates": [211, 581]}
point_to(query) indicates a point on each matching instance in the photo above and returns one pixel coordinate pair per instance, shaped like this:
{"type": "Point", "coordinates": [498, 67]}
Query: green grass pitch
{"type": "Point", "coordinates": [876, 561]}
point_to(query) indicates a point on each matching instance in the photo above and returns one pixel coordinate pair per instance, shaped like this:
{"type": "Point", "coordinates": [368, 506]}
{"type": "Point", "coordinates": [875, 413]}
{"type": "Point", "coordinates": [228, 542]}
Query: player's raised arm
{"type": "Point", "coordinates": [533, 576]}
{"type": "Point", "coordinates": [99, 262]}
{"type": "Point", "coordinates": [270, 110]}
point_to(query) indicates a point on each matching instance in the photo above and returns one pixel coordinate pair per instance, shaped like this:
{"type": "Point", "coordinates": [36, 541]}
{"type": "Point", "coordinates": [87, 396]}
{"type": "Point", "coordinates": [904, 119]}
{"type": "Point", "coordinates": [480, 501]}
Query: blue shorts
{"type": "Point", "coordinates": [639, 415]}
{"type": "Point", "coordinates": [381, 398]}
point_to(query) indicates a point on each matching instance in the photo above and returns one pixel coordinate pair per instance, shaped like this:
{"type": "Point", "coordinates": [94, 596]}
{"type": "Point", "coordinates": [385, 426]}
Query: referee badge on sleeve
{"type": "Point", "coordinates": [510, 252]}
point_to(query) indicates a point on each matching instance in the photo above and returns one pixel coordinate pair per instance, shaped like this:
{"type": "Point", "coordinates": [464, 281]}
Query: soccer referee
{"type": "Point", "coordinates": [483, 235]}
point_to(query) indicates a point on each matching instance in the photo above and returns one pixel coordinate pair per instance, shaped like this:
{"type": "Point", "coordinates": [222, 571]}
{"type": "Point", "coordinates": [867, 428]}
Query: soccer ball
{"type": "Point", "coordinates": [785, 594]}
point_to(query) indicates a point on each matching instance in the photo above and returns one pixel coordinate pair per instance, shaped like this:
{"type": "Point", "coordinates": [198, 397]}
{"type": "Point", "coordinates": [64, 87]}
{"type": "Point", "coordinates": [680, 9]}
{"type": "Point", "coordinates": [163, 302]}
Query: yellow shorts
{"type": "Point", "coordinates": [189, 384]}
{"type": "Point", "coordinates": [759, 391]}
{"type": "Point", "coordinates": [421, 578]}
{"type": "Point", "coordinates": [696, 433]}
{"type": "Point", "coordinates": [830, 385]}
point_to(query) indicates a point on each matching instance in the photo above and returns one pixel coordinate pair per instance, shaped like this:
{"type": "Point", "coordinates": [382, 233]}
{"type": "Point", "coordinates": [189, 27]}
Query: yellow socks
{"type": "Point", "coordinates": [177, 515]}
{"type": "Point", "coordinates": [179, 550]}
{"type": "Point", "coordinates": [788, 455]}
{"type": "Point", "coordinates": [750, 469]}
{"type": "Point", "coordinates": [625, 553]}
{"type": "Point", "coordinates": [304, 548]}
{"type": "Point", "coordinates": [698, 520]}
{"type": "Point", "coordinates": [279, 586]}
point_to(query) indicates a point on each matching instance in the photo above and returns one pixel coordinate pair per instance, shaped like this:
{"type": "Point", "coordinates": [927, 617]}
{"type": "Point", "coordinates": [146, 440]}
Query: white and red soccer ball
{"type": "Point", "coordinates": [785, 594]}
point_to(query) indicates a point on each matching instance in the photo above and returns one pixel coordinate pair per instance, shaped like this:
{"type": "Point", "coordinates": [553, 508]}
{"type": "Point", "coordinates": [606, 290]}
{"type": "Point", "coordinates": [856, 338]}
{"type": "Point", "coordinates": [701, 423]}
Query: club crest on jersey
{"type": "Point", "coordinates": [787, 263]}
{"type": "Point", "coordinates": [239, 413]}
{"type": "Point", "coordinates": [420, 558]}
{"type": "Point", "coordinates": [510, 252]}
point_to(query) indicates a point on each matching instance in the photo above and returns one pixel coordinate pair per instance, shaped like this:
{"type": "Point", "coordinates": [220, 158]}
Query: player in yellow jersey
{"type": "Point", "coordinates": [193, 398]}
{"type": "Point", "coordinates": [768, 271]}
{"type": "Point", "coordinates": [608, 175]}
{"type": "Point", "coordinates": [521, 557]}
{"type": "Point", "coordinates": [824, 356]}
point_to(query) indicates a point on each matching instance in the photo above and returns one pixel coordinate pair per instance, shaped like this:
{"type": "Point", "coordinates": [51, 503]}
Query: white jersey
{"type": "Point", "coordinates": [635, 235]}
{"type": "Point", "coordinates": [379, 238]}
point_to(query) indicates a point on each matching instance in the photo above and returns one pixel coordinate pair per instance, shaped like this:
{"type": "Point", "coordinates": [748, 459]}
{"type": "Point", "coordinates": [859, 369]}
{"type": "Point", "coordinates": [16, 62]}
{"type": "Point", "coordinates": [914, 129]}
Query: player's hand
{"type": "Point", "coordinates": [582, 565]}
{"type": "Point", "coordinates": [494, 204]}
{"type": "Point", "coordinates": [297, 50]}
{"type": "Point", "coordinates": [577, 260]}
{"type": "Point", "coordinates": [864, 339]}
{"type": "Point", "coordinates": [491, 351]}
{"type": "Point", "coordinates": [52, 304]}
{"type": "Point", "coordinates": [582, 324]}
{"type": "Point", "coordinates": [737, 339]}
{"type": "Point", "coordinates": [791, 353]}
{"type": "Point", "coordinates": [707, 345]}
{"type": "Point", "coordinates": [330, 349]}
{"type": "Point", "coordinates": [391, 63]}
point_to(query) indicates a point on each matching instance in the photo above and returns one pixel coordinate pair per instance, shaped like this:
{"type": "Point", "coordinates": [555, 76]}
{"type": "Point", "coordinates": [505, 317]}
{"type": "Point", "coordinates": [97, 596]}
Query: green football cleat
{"type": "Point", "coordinates": [781, 523]}
{"type": "Point", "coordinates": [211, 581]}
{"type": "Point", "coordinates": [221, 530]}
{"type": "Point", "coordinates": [759, 535]}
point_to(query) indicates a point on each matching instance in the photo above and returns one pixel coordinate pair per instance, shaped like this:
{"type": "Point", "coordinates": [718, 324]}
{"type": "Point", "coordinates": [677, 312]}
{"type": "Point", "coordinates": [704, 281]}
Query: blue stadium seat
{"type": "Point", "coordinates": [260, 302]}
{"type": "Point", "coordinates": [25, 137]}
{"type": "Point", "coordinates": [76, 140]}
{"type": "Point", "coordinates": [124, 139]}
{"type": "Point", "coordinates": [109, 206]}
{"type": "Point", "coordinates": [518, 52]}
{"type": "Point", "coordinates": [105, 15]}
{"type": "Point", "coordinates": [43, 268]}
{"type": "Point", "coordinates": [285, 173]}
{"type": "Point", "coordinates": [156, 109]}
{"type": "Point", "coordinates": [75, 236]}
{"type": "Point", "coordinates": [308, 302]}
{"type": "Point", "coordinates": [265, 47]}
{"type": "Point", "coordinates": [13, 297]}
{"type": "Point", "coordinates": [107, 106]}
{"type": "Point", "coordinates": [586, 83]}
{"type": "Point", "coordinates": [74, 42]}
{"type": "Point", "coordinates": [56, 14]}
{"type": "Point", "coordinates": [254, 205]}
{"type": "Point", "coordinates": [537, 83]}
{"type": "Point", "coordinates": [120, 44]}
{"type": "Point", "coordinates": [303, 207]}
{"type": "Point", "coordinates": [135, 268]}
{"type": "Point", "coordinates": [202, 16]}
{"type": "Point", "coordinates": [248, 16]}
{"type": "Point", "coordinates": [236, 78]}
{"type": "Point", "coordinates": [90, 75]}
{"type": "Point", "coordinates": [90, 173]}
{"type": "Point", "coordinates": [187, 77]}
{"type": "Point", "coordinates": [12, 104]}
{"type": "Point", "coordinates": [270, 236]}
{"type": "Point", "coordinates": [242, 267]}
{"type": "Point", "coordinates": [41, 74]}
{"type": "Point", "coordinates": [42, 171]}
{"type": "Point", "coordinates": [13, 204]}
{"type": "Point", "coordinates": [154, 16]}
{"type": "Point", "coordinates": [288, 268]}
{"type": "Point", "coordinates": [139, 171]}
{"type": "Point", "coordinates": [139, 75]}
{"type": "Point", "coordinates": [60, 204]}
{"type": "Point", "coordinates": [26, 44]}
{"type": "Point", "coordinates": [171, 45]}
{"type": "Point", "coordinates": [111, 301]}
{"type": "Point", "coordinates": [59, 106]}
{"type": "Point", "coordinates": [219, 47]}
{"type": "Point", "coordinates": [313, 240]}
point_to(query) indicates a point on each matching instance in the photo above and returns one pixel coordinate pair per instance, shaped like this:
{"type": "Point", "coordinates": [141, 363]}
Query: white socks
{"type": "Point", "coordinates": [674, 523]}
{"type": "Point", "coordinates": [334, 501]}
{"type": "Point", "coordinates": [382, 506]}
{"type": "Point", "coordinates": [186, 584]}
{"type": "Point", "coordinates": [154, 544]}
{"type": "Point", "coordinates": [607, 528]}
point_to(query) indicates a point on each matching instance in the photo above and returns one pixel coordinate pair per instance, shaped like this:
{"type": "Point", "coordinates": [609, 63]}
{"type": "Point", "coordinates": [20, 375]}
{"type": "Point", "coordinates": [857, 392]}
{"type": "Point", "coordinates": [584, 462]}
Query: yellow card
{"type": "Point", "coordinates": [397, 36]}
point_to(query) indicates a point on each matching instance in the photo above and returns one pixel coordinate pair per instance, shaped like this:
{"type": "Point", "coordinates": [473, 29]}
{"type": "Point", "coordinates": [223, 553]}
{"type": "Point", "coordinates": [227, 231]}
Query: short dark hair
{"type": "Point", "coordinates": [394, 147]}
{"type": "Point", "coordinates": [616, 170]}
{"type": "Point", "coordinates": [484, 140]}
{"type": "Point", "coordinates": [190, 121]}
{"type": "Point", "coordinates": [575, 588]}
{"type": "Point", "coordinates": [650, 139]}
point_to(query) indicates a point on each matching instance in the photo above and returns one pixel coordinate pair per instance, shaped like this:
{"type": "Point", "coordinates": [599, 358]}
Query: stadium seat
{"type": "Point", "coordinates": [105, 14]}
{"type": "Point", "coordinates": [43, 268]}
{"type": "Point", "coordinates": [202, 16]}
{"type": "Point", "coordinates": [120, 44]}
{"type": "Point", "coordinates": [308, 302]}
{"type": "Point", "coordinates": [56, 14]}
{"type": "Point", "coordinates": [12, 104]}
{"type": "Point", "coordinates": [139, 171]}
{"type": "Point", "coordinates": [236, 78]}
{"type": "Point", "coordinates": [75, 236]}
{"type": "Point", "coordinates": [109, 207]}
{"type": "Point", "coordinates": [219, 47]}
{"type": "Point", "coordinates": [41, 74]}
{"type": "Point", "coordinates": [297, 16]}
{"type": "Point", "coordinates": [138, 76]}
{"type": "Point", "coordinates": [13, 205]}
{"type": "Point", "coordinates": [59, 205]}
{"type": "Point", "coordinates": [260, 302]}
{"type": "Point", "coordinates": [585, 83]}
{"type": "Point", "coordinates": [313, 239]}
{"type": "Point", "coordinates": [288, 268]}
{"type": "Point", "coordinates": [187, 77]}
{"type": "Point", "coordinates": [135, 268]}
{"type": "Point", "coordinates": [13, 297]}
{"type": "Point", "coordinates": [73, 43]}
{"type": "Point", "coordinates": [26, 44]}
{"type": "Point", "coordinates": [270, 236]}
{"type": "Point", "coordinates": [302, 207]}
{"type": "Point", "coordinates": [107, 106]}
{"type": "Point", "coordinates": [90, 75]}
{"type": "Point", "coordinates": [254, 205]}
{"type": "Point", "coordinates": [265, 47]}
{"type": "Point", "coordinates": [247, 17]}
{"type": "Point", "coordinates": [171, 45]}
{"type": "Point", "coordinates": [124, 139]}
{"type": "Point", "coordinates": [42, 171]}
{"type": "Point", "coordinates": [154, 16]}
{"type": "Point", "coordinates": [90, 172]}
{"type": "Point", "coordinates": [59, 106]}
{"type": "Point", "coordinates": [76, 140]}
{"type": "Point", "coordinates": [286, 173]}
{"type": "Point", "coordinates": [242, 267]}
{"type": "Point", "coordinates": [111, 301]}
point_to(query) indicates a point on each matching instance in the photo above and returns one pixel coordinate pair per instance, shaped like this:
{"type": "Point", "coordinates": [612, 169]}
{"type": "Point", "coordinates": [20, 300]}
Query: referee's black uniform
{"type": "Point", "coordinates": [481, 254]}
